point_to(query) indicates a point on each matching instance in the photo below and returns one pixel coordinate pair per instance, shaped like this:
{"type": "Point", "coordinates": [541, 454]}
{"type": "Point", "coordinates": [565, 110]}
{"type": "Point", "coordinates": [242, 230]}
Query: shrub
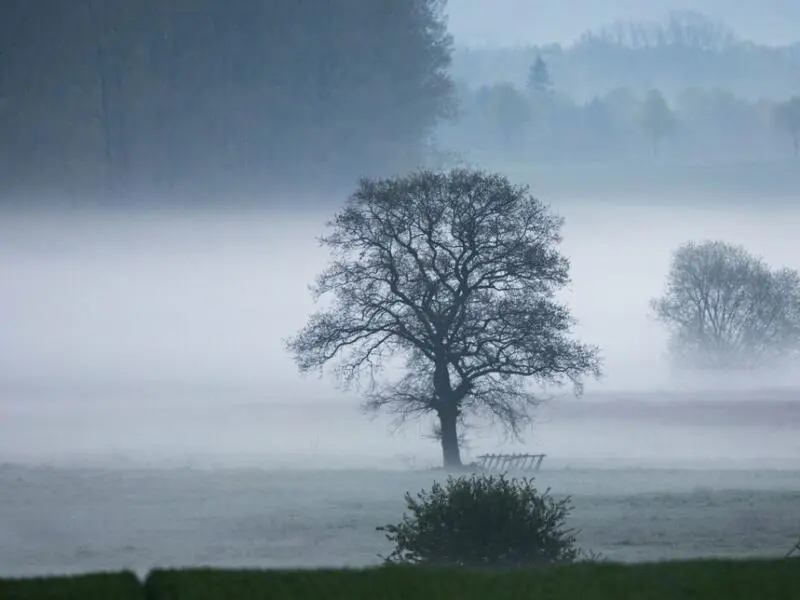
{"type": "Point", "coordinates": [483, 521]}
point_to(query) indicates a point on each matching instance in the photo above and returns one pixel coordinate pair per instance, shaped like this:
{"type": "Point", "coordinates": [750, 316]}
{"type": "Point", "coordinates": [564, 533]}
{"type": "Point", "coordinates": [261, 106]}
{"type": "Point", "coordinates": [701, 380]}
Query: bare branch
{"type": "Point", "coordinates": [725, 309]}
{"type": "Point", "coordinates": [456, 273]}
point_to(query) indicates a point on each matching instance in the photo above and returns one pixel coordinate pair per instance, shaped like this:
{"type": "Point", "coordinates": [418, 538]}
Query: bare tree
{"type": "Point", "coordinates": [454, 274]}
{"type": "Point", "coordinates": [725, 308]}
{"type": "Point", "coordinates": [680, 29]}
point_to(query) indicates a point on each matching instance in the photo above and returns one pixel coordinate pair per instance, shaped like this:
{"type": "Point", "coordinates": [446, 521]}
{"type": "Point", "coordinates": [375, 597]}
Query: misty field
{"type": "Point", "coordinates": [770, 185]}
{"type": "Point", "coordinates": [71, 520]}
{"type": "Point", "coordinates": [156, 337]}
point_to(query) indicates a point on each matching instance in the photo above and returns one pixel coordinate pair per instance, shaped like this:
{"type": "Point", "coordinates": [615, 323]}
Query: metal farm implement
{"type": "Point", "coordinates": [510, 462]}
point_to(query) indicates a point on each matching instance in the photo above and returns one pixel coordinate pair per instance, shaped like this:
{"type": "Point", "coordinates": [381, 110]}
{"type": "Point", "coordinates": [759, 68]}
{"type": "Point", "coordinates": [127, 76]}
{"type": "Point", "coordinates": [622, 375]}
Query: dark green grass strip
{"type": "Point", "coordinates": [695, 580]}
{"type": "Point", "coordinates": [105, 586]}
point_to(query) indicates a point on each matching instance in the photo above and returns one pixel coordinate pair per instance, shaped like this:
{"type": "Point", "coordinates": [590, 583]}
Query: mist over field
{"type": "Point", "coordinates": [166, 168]}
{"type": "Point", "coordinates": [152, 335]}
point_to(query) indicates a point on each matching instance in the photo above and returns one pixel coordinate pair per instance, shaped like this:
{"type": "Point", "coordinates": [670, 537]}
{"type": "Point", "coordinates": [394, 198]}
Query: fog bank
{"type": "Point", "coordinates": [167, 323]}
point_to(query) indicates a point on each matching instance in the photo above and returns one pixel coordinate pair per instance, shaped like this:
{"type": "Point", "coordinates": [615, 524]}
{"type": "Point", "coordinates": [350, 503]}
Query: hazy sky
{"type": "Point", "coordinates": [511, 22]}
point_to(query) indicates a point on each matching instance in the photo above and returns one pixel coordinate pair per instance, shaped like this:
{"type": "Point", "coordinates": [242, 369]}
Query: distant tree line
{"type": "Point", "coordinates": [166, 92]}
{"type": "Point", "coordinates": [684, 88]}
{"type": "Point", "coordinates": [252, 95]}
{"type": "Point", "coordinates": [504, 122]}
{"type": "Point", "coordinates": [685, 50]}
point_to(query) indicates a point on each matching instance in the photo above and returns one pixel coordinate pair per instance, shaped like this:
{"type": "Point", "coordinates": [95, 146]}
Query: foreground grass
{"type": "Point", "coordinates": [697, 580]}
{"type": "Point", "coordinates": [693, 580]}
{"type": "Point", "coordinates": [105, 586]}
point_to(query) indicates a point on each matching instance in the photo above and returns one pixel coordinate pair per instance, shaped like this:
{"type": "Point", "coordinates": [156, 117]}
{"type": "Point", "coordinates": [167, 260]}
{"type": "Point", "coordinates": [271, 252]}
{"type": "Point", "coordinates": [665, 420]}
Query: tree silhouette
{"type": "Point", "coordinates": [725, 309]}
{"type": "Point", "coordinates": [455, 274]}
{"type": "Point", "coordinates": [657, 118]}
{"type": "Point", "coordinates": [508, 111]}
{"type": "Point", "coordinates": [539, 81]}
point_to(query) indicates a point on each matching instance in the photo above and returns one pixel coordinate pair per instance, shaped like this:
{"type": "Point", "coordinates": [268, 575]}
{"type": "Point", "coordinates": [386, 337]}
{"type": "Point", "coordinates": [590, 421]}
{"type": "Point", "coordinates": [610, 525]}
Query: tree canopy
{"type": "Point", "coordinates": [455, 274]}
{"type": "Point", "coordinates": [168, 92]}
{"type": "Point", "coordinates": [726, 309]}
{"type": "Point", "coordinates": [657, 118]}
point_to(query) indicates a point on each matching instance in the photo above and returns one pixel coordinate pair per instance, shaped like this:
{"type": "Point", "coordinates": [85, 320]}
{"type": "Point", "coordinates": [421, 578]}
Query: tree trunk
{"type": "Point", "coordinates": [451, 453]}
{"type": "Point", "coordinates": [448, 401]}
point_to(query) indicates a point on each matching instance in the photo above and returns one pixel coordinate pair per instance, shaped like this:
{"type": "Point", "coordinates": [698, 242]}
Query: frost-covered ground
{"type": "Point", "coordinates": [71, 520]}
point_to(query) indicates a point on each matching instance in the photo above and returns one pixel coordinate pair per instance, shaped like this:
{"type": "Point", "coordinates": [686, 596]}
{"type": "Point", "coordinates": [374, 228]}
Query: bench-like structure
{"type": "Point", "coordinates": [510, 462]}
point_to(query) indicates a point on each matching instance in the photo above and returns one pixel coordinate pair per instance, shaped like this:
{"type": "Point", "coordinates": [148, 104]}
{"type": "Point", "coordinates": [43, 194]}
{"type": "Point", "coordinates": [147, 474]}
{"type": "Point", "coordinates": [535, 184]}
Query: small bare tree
{"type": "Point", "coordinates": [455, 274]}
{"type": "Point", "coordinates": [725, 308]}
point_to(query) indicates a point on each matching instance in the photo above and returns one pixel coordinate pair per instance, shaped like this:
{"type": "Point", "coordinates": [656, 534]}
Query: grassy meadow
{"type": "Point", "coordinates": [696, 580]}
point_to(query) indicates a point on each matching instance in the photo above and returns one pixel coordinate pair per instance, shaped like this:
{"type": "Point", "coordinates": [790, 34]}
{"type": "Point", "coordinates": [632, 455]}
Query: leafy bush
{"type": "Point", "coordinates": [101, 586]}
{"type": "Point", "coordinates": [483, 521]}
